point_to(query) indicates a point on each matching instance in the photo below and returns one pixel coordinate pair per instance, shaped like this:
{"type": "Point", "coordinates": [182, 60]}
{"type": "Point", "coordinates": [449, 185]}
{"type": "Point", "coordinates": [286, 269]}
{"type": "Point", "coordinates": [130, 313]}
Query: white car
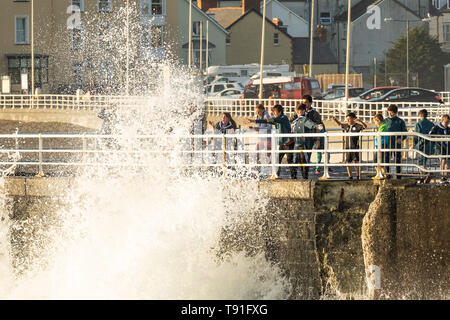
{"type": "Point", "coordinates": [212, 90]}
{"type": "Point", "coordinates": [230, 93]}
{"type": "Point", "coordinates": [226, 98]}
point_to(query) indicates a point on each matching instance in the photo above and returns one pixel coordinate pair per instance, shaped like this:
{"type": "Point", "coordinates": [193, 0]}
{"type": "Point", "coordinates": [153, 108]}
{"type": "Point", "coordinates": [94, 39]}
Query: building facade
{"type": "Point", "coordinates": [82, 43]}
{"type": "Point", "coordinates": [244, 42]}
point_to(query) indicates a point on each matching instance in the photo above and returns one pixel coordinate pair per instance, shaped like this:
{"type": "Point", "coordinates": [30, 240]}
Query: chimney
{"type": "Point", "coordinates": [204, 5]}
{"type": "Point", "coordinates": [250, 4]}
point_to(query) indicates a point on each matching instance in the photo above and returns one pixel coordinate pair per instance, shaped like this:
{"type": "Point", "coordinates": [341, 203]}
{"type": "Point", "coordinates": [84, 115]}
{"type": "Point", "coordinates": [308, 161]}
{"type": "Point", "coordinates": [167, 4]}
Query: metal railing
{"type": "Point", "coordinates": [415, 155]}
{"type": "Point", "coordinates": [68, 102]}
{"type": "Point", "coordinates": [445, 96]}
{"type": "Point", "coordinates": [409, 111]}
{"type": "Point", "coordinates": [216, 106]}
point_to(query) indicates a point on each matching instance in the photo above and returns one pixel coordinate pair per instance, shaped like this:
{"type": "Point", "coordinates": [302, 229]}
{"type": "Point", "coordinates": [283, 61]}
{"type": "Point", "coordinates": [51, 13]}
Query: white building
{"type": "Point", "coordinates": [294, 25]}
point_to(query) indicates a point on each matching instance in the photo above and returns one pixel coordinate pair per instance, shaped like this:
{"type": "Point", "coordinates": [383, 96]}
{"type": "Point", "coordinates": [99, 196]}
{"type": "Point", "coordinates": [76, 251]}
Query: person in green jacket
{"type": "Point", "coordinates": [379, 121]}
{"type": "Point", "coordinates": [395, 124]}
{"type": "Point", "coordinates": [282, 124]}
{"type": "Point", "coordinates": [424, 126]}
{"type": "Point", "coordinates": [302, 124]}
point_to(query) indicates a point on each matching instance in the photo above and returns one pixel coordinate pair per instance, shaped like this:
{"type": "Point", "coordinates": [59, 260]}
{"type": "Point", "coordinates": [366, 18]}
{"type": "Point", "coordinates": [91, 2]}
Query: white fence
{"type": "Point", "coordinates": [215, 106]}
{"type": "Point", "coordinates": [68, 153]}
{"type": "Point", "coordinates": [445, 96]}
{"type": "Point", "coordinates": [409, 111]}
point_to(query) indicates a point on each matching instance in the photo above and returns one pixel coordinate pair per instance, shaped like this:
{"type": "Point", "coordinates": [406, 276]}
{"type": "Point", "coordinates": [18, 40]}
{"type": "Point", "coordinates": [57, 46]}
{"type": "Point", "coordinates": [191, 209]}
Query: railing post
{"type": "Point", "coordinates": [326, 174]}
{"type": "Point", "coordinates": [273, 154]}
{"type": "Point", "coordinates": [224, 152]}
{"type": "Point", "coordinates": [41, 171]}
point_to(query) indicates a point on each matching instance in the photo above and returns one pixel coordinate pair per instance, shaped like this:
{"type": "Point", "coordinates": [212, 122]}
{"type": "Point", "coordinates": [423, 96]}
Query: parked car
{"type": "Point", "coordinates": [227, 97]}
{"type": "Point", "coordinates": [230, 93]}
{"type": "Point", "coordinates": [340, 93]}
{"type": "Point", "coordinates": [409, 95]}
{"type": "Point", "coordinates": [287, 88]}
{"type": "Point", "coordinates": [332, 87]}
{"type": "Point", "coordinates": [374, 93]}
{"type": "Point", "coordinates": [215, 88]}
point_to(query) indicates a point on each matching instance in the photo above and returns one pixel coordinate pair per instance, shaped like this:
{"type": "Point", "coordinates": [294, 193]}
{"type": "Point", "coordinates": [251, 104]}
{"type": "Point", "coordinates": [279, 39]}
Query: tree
{"type": "Point", "coordinates": [426, 59]}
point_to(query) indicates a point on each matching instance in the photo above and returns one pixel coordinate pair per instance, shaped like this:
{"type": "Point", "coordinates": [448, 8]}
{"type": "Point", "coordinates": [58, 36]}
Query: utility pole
{"type": "Point", "coordinates": [190, 35]}
{"type": "Point", "coordinates": [32, 47]}
{"type": "Point", "coordinates": [127, 80]}
{"type": "Point", "coordinates": [262, 51]}
{"type": "Point", "coordinates": [347, 56]}
{"type": "Point", "coordinates": [407, 53]}
{"type": "Point", "coordinates": [311, 40]}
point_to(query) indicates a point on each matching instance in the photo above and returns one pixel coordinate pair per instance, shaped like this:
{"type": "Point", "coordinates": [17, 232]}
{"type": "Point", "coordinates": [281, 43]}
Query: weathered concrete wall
{"type": "Point", "coordinates": [324, 235]}
{"type": "Point", "coordinates": [406, 238]}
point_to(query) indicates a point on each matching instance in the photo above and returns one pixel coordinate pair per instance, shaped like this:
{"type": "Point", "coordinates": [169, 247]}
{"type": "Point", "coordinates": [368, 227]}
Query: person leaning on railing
{"type": "Point", "coordinates": [263, 128]}
{"type": "Point", "coordinates": [395, 124]}
{"type": "Point", "coordinates": [441, 147]}
{"type": "Point", "coordinates": [384, 157]}
{"type": "Point", "coordinates": [304, 125]}
{"type": "Point", "coordinates": [425, 146]}
{"type": "Point", "coordinates": [353, 125]}
{"type": "Point", "coordinates": [282, 125]}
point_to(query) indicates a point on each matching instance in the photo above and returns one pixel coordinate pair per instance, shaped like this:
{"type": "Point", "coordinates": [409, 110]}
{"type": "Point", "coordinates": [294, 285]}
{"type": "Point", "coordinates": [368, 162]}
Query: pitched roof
{"type": "Point", "coordinates": [208, 17]}
{"type": "Point", "coordinates": [259, 14]}
{"type": "Point", "coordinates": [225, 16]}
{"type": "Point", "coordinates": [322, 53]}
{"type": "Point", "coordinates": [361, 8]}
{"type": "Point", "coordinates": [287, 9]}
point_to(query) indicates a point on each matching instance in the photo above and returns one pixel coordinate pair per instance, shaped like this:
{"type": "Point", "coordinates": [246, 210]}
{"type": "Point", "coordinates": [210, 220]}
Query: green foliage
{"type": "Point", "coordinates": [426, 59]}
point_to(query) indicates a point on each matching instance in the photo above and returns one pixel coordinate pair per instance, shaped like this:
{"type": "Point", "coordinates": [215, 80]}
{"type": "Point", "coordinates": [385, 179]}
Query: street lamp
{"type": "Point", "coordinates": [387, 20]}
{"type": "Point", "coordinates": [32, 47]}
{"type": "Point", "coordinates": [262, 51]}
{"type": "Point", "coordinates": [311, 40]}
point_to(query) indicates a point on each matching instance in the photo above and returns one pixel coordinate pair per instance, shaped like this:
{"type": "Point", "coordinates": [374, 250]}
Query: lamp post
{"type": "Point", "coordinates": [127, 81]}
{"type": "Point", "coordinates": [190, 34]}
{"type": "Point", "coordinates": [311, 40]}
{"type": "Point", "coordinates": [262, 51]}
{"type": "Point", "coordinates": [347, 55]}
{"type": "Point", "coordinates": [32, 47]}
{"type": "Point", "coordinates": [387, 20]}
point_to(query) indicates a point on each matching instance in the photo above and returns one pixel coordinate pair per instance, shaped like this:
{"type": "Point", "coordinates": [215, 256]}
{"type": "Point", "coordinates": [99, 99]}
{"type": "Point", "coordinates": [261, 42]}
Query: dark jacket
{"type": "Point", "coordinates": [314, 116]}
{"type": "Point", "coordinates": [304, 125]}
{"type": "Point", "coordinates": [395, 125]}
{"type": "Point", "coordinates": [282, 125]}
{"type": "Point", "coordinates": [441, 147]}
{"type": "Point", "coordinates": [423, 126]}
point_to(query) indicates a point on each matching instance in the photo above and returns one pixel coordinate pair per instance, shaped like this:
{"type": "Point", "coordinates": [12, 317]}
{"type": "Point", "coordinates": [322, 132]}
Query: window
{"type": "Point", "coordinates": [152, 7]}
{"type": "Point", "coordinates": [79, 4]}
{"type": "Point", "coordinates": [219, 87]}
{"type": "Point", "coordinates": [196, 28]}
{"type": "Point", "coordinates": [228, 40]}
{"type": "Point", "coordinates": [22, 35]}
{"type": "Point", "coordinates": [276, 38]}
{"type": "Point", "coordinates": [77, 38]}
{"type": "Point", "coordinates": [78, 74]}
{"type": "Point", "coordinates": [18, 64]}
{"type": "Point", "coordinates": [325, 18]}
{"type": "Point", "coordinates": [152, 36]}
{"type": "Point", "coordinates": [104, 36]}
{"type": "Point", "coordinates": [104, 5]}
{"type": "Point", "coordinates": [446, 33]}
{"type": "Point", "coordinates": [244, 73]}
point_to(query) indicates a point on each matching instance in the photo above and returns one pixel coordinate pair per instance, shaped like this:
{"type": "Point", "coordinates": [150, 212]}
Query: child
{"type": "Point", "coordinates": [379, 121]}
{"type": "Point", "coordinates": [353, 125]}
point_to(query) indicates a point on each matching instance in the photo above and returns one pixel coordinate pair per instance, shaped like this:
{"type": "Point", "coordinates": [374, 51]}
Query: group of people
{"type": "Point", "coordinates": [308, 120]}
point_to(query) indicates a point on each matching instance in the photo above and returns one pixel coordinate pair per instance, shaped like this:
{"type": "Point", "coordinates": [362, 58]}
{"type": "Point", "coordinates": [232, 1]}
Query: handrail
{"type": "Point", "coordinates": [231, 150]}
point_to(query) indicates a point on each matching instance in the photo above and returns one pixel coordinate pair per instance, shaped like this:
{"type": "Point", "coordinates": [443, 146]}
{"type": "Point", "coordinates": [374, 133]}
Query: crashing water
{"type": "Point", "coordinates": [150, 232]}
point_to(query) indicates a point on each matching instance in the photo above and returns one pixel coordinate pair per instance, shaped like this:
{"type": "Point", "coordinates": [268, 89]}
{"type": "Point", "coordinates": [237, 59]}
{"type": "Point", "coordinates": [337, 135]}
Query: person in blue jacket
{"type": "Point", "coordinates": [425, 146]}
{"type": "Point", "coordinates": [442, 148]}
{"type": "Point", "coordinates": [395, 124]}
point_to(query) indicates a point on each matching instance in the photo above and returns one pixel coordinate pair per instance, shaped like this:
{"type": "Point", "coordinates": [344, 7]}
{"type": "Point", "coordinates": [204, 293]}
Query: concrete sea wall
{"type": "Point", "coordinates": [330, 238]}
